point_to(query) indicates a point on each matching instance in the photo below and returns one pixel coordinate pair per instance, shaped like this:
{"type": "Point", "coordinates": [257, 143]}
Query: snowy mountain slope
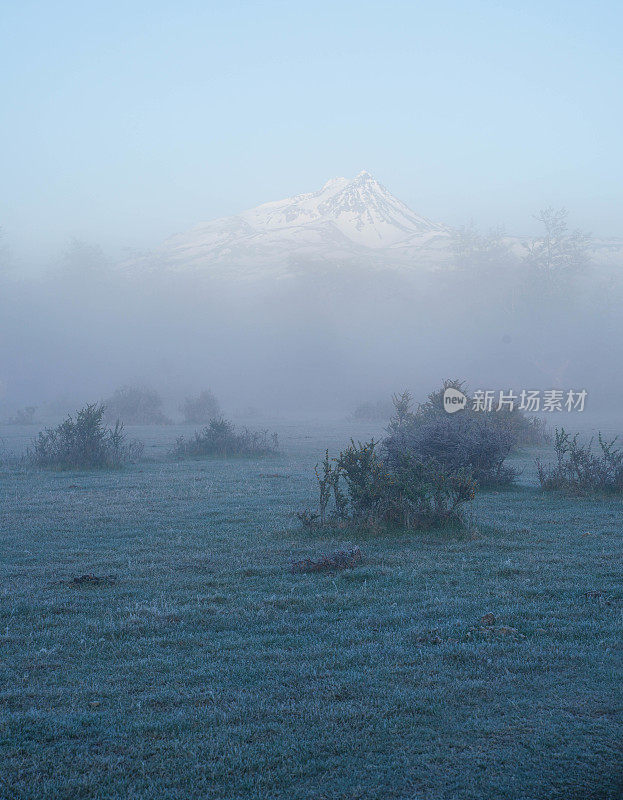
{"type": "Point", "coordinates": [346, 219]}
{"type": "Point", "coordinates": [356, 222]}
{"type": "Point", "coordinates": [361, 209]}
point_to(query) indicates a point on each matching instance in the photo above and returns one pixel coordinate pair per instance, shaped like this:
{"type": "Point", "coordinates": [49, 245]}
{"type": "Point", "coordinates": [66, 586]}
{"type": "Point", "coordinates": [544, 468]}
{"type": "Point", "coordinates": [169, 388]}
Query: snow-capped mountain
{"type": "Point", "coordinates": [346, 220]}
{"type": "Point", "coordinates": [360, 209]}
{"type": "Point", "coordinates": [355, 223]}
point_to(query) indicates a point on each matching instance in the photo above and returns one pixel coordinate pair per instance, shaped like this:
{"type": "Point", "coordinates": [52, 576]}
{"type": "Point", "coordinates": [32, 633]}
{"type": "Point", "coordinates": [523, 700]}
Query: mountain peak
{"type": "Point", "coordinates": [346, 218]}
{"type": "Point", "coordinates": [368, 214]}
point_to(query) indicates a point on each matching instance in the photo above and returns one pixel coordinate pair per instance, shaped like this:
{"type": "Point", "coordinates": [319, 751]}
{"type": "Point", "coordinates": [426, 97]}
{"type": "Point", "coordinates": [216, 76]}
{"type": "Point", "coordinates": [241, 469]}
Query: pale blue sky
{"type": "Point", "coordinates": [122, 123]}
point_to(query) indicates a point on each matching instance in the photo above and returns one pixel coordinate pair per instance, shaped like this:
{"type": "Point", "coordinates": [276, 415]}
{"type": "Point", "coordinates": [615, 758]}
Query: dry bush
{"type": "Point", "coordinates": [220, 438]}
{"type": "Point", "coordinates": [360, 487]}
{"type": "Point", "coordinates": [583, 469]}
{"type": "Point", "coordinates": [471, 441]}
{"type": "Point", "coordinates": [84, 443]}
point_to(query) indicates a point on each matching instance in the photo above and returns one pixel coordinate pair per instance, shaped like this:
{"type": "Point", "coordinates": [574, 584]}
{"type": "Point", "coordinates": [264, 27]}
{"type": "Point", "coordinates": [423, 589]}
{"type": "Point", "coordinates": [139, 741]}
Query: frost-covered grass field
{"type": "Point", "coordinates": [207, 670]}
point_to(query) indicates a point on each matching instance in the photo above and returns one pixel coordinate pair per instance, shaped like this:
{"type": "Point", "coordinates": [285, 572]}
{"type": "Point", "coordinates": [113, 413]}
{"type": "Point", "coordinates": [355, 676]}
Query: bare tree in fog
{"type": "Point", "coordinates": [487, 261]}
{"type": "Point", "coordinates": [558, 255]}
{"type": "Point", "coordinates": [484, 252]}
{"type": "Point", "coordinates": [135, 405]}
{"type": "Point", "coordinates": [201, 409]}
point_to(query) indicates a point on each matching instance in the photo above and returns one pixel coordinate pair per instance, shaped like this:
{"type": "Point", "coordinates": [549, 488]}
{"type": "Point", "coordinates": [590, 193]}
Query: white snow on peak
{"type": "Point", "coordinates": [361, 209]}
{"type": "Point", "coordinates": [346, 218]}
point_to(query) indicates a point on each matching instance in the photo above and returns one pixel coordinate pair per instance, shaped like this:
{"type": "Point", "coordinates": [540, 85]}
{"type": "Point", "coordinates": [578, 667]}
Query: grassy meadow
{"type": "Point", "coordinates": [204, 669]}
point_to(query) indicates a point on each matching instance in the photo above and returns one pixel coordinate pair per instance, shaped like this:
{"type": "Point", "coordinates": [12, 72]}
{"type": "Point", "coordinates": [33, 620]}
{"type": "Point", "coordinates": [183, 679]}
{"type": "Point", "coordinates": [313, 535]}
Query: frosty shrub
{"type": "Point", "coordinates": [361, 487]}
{"type": "Point", "coordinates": [135, 405]}
{"type": "Point", "coordinates": [527, 431]}
{"type": "Point", "coordinates": [582, 469]}
{"type": "Point", "coordinates": [524, 429]}
{"type": "Point", "coordinates": [471, 441]}
{"type": "Point", "coordinates": [220, 438]}
{"type": "Point", "coordinates": [406, 492]}
{"type": "Point", "coordinates": [201, 409]}
{"type": "Point", "coordinates": [84, 443]}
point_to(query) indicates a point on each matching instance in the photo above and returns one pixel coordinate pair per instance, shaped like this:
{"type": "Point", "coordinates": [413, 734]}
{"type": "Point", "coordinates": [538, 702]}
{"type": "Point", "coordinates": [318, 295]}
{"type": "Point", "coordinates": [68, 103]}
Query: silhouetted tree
{"type": "Point", "coordinates": [201, 409]}
{"type": "Point", "coordinates": [135, 405]}
{"type": "Point", "coordinates": [558, 255]}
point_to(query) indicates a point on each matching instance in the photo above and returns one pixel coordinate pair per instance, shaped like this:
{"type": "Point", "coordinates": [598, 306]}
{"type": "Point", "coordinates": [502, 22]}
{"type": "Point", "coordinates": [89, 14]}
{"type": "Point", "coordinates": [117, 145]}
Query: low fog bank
{"type": "Point", "coordinates": [322, 340]}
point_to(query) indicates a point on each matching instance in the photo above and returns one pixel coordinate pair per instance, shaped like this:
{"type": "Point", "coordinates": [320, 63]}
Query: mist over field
{"type": "Point", "coordinates": [321, 338]}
